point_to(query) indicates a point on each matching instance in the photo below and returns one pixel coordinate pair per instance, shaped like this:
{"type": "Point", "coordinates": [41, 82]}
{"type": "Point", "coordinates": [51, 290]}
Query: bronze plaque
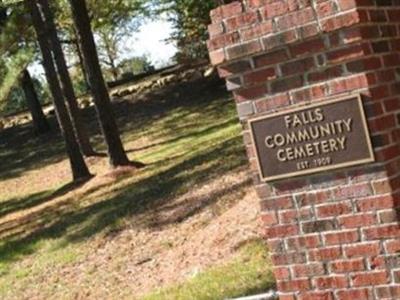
{"type": "Point", "coordinates": [319, 137]}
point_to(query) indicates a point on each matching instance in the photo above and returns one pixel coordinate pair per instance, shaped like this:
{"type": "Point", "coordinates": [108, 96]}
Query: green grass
{"type": "Point", "coordinates": [189, 140]}
{"type": "Point", "coordinates": [247, 274]}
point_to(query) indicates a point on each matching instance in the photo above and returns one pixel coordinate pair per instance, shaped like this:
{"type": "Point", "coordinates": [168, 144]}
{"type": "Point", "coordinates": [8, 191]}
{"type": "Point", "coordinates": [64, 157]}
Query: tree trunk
{"type": "Point", "coordinates": [116, 153]}
{"type": "Point", "coordinates": [78, 165]}
{"type": "Point", "coordinates": [3, 16]}
{"type": "Point", "coordinates": [114, 69]}
{"type": "Point", "coordinates": [39, 121]}
{"type": "Point", "coordinates": [66, 83]}
{"type": "Point", "coordinates": [81, 62]}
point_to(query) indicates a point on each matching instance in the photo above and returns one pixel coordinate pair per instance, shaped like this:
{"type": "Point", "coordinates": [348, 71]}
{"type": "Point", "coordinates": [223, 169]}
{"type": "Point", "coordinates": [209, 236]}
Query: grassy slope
{"type": "Point", "coordinates": [247, 274]}
{"type": "Point", "coordinates": [187, 136]}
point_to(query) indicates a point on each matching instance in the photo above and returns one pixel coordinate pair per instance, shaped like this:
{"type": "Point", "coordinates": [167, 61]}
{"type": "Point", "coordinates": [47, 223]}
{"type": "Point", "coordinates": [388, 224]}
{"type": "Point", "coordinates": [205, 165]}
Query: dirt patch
{"type": "Point", "coordinates": [174, 242]}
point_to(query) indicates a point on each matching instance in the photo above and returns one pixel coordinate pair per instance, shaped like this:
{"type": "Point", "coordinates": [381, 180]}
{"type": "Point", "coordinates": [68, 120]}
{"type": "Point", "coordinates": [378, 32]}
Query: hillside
{"type": "Point", "coordinates": [127, 233]}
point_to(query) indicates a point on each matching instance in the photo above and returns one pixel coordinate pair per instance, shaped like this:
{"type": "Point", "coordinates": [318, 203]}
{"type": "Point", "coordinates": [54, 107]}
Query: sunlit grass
{"type": "Point", "coordinates": [185, 147]}
{"type": "Point", "coordinates": [249, 273]}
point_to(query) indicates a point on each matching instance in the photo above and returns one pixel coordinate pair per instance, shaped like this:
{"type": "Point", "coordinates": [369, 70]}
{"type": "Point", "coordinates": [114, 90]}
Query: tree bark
{"type": "Point", "coordinates": [66, 83]}
{"type": "Point", "coordinates": [40, 124]}
{"type": "Point", "coordinates": [81, 62]}
{"type": "Point", "coordinates": [78, 165]}
{"type": "Point", "coordinates": [116, 153]}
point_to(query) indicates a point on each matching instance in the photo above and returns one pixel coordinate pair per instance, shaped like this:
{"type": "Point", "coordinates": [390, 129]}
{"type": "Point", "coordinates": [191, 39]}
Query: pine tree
{"type": "Point", "coordinates": [40, 124]}
{"type": "Point", "coordinates": [66, 83]}
{"type": "Point", "coordinates": [78, 165]}
{"type": "Point", "coordinates": [116, 153]}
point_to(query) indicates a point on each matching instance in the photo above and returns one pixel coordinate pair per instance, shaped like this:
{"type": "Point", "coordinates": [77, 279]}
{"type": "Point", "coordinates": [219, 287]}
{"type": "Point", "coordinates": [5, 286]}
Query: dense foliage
{"type": "Point", "coordinates": [190, 19]}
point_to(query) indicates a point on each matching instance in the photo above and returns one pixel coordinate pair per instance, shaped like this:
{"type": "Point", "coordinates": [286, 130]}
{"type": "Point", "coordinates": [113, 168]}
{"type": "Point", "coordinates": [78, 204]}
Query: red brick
{"type": "Point", "coordinates": [375, 203]}
{"type": "Point", "coordinates": [342, 237]}
{"type": "Point", "coordinates": [269, 218]}
{"type": "Point", "coordinates": [388, 30]}
{"type": "Point", "coordinates": [392, 104]}
{"type": "Point", "coordinates": [308, 270]}
{"type": "Point", "coordinates": [353, 191]}
{"type": "Point", "coordinates": [370, 278]}
{"type": "Point", "coordinates": [257, 3]}
{"type": "Point", "coordinates": [308, 31]}
{"type": "Point", "coordinates": [223, 40]}
{"type": "Point", "coordinates": [294, 285]}
{"type": "Point", "coordinates": [325, 9]}
{"type": "Point", "coordinates": [271, 58]}
{"type": "Point", "coordinates": [388, 216]}
{"type": "Point", "coordinates": [362, 250]}
{"type": "Point", "coordinates": [347, 4]}
{"type": "Point", "coordinates": [347, 53]}
{"type": "Point", "coordinates": [331, 282]}
{"type": "Point", "coordinates": [280, 39]}
{"type": "Point", "coordinates": [388, 153]}
{"type": "Point", "coordinates": [234, 68]}
{"type": "Point", "coordinates": [316, 296]}
{"type": "Point", "coordinates": [297, 66]}
{"type": "Point", "coordinates": [226, 11]}
{"type": "Point", "coordinates": [385, 75]}
{"type": "Point", "coordinates": [274, 9]}
{"type": "Point", "coordinates": [325, 254]}
{"type": "Point", "coordinates": [342, 21]}
{"type": "Point", "coordinates": [389, 292]}
{"type": "Point", "coordinates": [377, 15]}
{"type": "Point", "coordinates": [217, 57]}
{"type": "Point", "coordinates": [381, 186]}
{"type": "Point", "coordinates": [250, 93]}
{"type": "Point", "coordinates": [275, 245]}
{"type": "Point", "coordinates": [380, 92]}
{"type": "Point", "coordinates": [359, 220]}
{"type": "Point", "coordinates": [287, 296]}
{"type": "Point", "coordinates": [347, 266]}
{"type": "Point", "coordinates": [243, 49]}
{"type": "Point", "coordinates": [393, 246]}
{"type": "Point", "coordinates": [335, 209]}
{"type": "Point", "coordinates": [394, 14]}
{"type": "Point", "coordinates": [281, 273]}
{"type": "Point", "coordinates": [259, 76]}
{"type": "Point", "coordinates": [355, 294]}
{"type": "Point", "coordinates": [215, 29]}
{"type": "Point", "coordinates": [288, 258]}
{"type": "Point", "coordinates": [283, 202]}
{"type": "Point", "coordinates": [312, 46]}
{"type": "Point", "coordinates": [288, 216]}
{"type": "Point", "coordinates": [391, 60]}
{"type": "Point", "coordinates": [304, 242]}
{"type": "Point", "coordinates": [313, 198]}
{"type": "Point", "coordinates": [272, 102]}
{"type": "Point", "coordinates": [281, 231]}
{"type": "Point", "coordinates": [395, 44]}
{"type": "Point", "coordinates": [326, 74]}
{"type": "Point", "coordinates": [349, 84]}
{"type": "Point", "coordinates": [286, 84]}
{"type": "Point", "coordinates": [241, 21]}
{"type": "Point", "coordinates": [310, 93]}
{"type": "Point", "coordinates": [382, 232]}
{"type": "Point", "coordinates": [363, 65]}
{"type": "Point", "coordinates": [295, 19]}
{"type": "Point", "coordinates": [256, 31]}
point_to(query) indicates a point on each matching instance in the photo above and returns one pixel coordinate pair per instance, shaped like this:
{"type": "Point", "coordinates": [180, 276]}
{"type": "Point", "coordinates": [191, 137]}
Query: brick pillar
{"type": "Point", "coordinates": [332, 235]}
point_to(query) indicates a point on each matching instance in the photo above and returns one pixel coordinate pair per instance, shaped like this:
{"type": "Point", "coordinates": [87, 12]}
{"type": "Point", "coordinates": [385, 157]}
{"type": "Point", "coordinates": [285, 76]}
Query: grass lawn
{"type": "Point", "coordinates": [109, 237]}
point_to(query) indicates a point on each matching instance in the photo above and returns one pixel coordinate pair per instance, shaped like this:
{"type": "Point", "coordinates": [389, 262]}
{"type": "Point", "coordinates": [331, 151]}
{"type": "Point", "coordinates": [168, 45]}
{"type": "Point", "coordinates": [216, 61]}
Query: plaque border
{"type": "Point", "coordinates": [328, 101]}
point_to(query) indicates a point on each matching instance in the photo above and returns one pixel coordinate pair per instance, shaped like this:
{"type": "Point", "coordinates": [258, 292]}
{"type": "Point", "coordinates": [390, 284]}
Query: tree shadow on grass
{"type": "Point", "coordinates": [191, 134]}
{"type": "Point", "coordinates": [74, 225]}
{"type": "Point", "coordinates": [16, 204]}
{"type": "Point", "coordinates": [21, 151]}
